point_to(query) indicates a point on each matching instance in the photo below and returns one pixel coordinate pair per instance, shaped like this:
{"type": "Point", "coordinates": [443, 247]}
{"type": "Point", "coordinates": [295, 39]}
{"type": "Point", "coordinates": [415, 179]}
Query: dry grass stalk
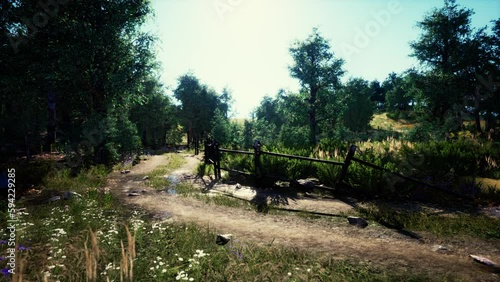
{"type": "Point", "coordinates": [88, 263]}
{"type": "Point", "coordinates": [128, 256]}
{"type": "Point", "coordinates": [123, 263]}
{"type": "Point", "coordinates": [91, 257]}
{"type": "Point", "coordinates": [18, 277]}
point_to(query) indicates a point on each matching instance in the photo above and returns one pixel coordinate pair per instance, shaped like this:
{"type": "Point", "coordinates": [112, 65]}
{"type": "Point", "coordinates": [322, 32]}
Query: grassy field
{"type": "Point", "coordinates": [382, 121]}
{"type": "Point", "coordinates": [96, 239]}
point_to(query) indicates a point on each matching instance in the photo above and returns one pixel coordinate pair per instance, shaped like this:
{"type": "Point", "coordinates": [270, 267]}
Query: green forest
{"type": "Point", "coordinates": [109, 187]}
{"type": "Point", "coordinates": [91, 87]}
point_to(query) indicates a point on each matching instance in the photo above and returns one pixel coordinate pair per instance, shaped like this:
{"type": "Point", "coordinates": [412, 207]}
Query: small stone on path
{"type": "Point", "coordinates": [308, 182]}
{"type": "Point", "coordinates": [437, 248]}
{"type": "Point", "coordinates": [55, 198]}
{"type": "Point", "coordinates": [357, 221]}
{"type": "Point", "coordinates": [70, 194]}
{"type": "Point", "coordinates": [484, 261]}
{"type": "Point", "coordinates": [223, 239]}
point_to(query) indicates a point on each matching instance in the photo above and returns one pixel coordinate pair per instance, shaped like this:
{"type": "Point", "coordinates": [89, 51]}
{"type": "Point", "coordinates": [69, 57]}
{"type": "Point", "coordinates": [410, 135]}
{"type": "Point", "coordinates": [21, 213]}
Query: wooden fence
{"type": "Point", "coordinates": [213, 156]}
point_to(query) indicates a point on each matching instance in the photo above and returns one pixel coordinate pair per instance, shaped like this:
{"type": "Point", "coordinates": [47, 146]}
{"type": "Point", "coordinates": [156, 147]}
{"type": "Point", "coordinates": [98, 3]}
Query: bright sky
{"type": "Point", "coordinates": [244, 44]}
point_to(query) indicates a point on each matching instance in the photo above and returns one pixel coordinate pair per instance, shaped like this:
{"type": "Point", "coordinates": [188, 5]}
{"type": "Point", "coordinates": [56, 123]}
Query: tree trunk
{"type": "Point", "coordinates": [313, 124]}
{"type": "Point", "coordinates": [488, 121]}
{"type": "Point", "coordinates": [477, 119]}
{"type": "Point", "coordinates": [27, 142]}
{"type": "Point", "coordinates": [51, 122]}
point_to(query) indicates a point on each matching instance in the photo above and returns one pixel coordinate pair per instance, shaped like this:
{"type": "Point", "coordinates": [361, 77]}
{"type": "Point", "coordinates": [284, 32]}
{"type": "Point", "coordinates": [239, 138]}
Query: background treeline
{"type": "Point", "coordinates": [457, 81]}
{"type": "Point", "coordinates": [82, 77]}
{"type": "Point", "coordinates": [449, 106]}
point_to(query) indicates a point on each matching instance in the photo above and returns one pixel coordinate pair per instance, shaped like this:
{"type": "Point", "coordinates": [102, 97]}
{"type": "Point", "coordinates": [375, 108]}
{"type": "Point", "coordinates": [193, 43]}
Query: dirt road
{"type": "Point", "coordinates": [375, 244]}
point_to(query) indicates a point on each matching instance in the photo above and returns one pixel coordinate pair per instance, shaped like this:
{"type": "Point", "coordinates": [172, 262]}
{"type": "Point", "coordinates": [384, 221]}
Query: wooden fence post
{"type": "Point", "coordinates": [257, 147]}
{"type": "Point", "coordinates": [207, 151]}
{"type": "Point", "coordinates": [347, 162]}
{"type": "Point", "coordinates": [217, 161]}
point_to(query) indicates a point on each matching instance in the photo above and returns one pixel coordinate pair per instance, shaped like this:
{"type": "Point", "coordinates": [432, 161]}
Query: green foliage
{"type": "Point", "coordinates": [270, 110]}
{"type": "Point", "coordinates": [63, 180]}
{"type": "Point", "coordinates": [156, 119]}
{"type": "Point", "coordinates": [90, 70]}
{"type": "Point", "coordinates": [400, 92]}
{"type": "Point", "coordinates": [458, 60]}
{"type": "Point", "coordinates": [200, 105]}
{"type": "Point", "coordinates": [328, 174]}
{"type": "Point", "coordinates": [248, 134]}
{"type": "Point", "coordinates": [228, 133]}
{"type": "Point", "coordinates": [203, 169]}
{"type": "Point", "coordinates": [370, 180]}
{"type": "Point", "coordinates": [125, 137]}
{"type": "Point", "coordinates": [357, 107]}
{"type": "Point", "coordinates": [260, 130]}
{"type": "Point", "coordinates": [461, 157]}
{"type": "Point", "coordinates": [238, 162]}
{"type": "Point", "coordinates": [221, 130]}
{"type": "Point", "coordinates": [445, 31]}
{"type": "Point", "coordinates": [174, 135]}
{"type": "Point", "coordinates": [425, 133]}
{"type": "Point", "coordinates": [318, 71]}
{"type": "Point", "coordinates": [294, 136]}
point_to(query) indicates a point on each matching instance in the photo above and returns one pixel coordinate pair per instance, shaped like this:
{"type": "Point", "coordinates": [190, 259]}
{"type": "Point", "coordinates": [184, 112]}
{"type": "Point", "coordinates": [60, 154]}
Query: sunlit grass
{"type": "Point", "coordinates": [157, 176]}
{"type": "Point", "coordinates": [62, 180]}
{"type": "Point", "coordinates": [382, 121]}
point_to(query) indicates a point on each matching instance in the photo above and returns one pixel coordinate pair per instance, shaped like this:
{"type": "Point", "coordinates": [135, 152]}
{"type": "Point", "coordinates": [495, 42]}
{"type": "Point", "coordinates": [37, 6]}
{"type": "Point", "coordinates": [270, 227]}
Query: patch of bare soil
{"type": "Point", "coordinates": [333, 236]}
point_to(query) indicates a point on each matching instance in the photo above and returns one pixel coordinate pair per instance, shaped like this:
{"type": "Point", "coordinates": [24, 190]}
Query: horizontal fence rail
{"type": "Point", "coordinates": [236, 151]}
{"type": "Point", "coordinates": [213, 153]}
{"type": "Point", "coordinates": [407, 178]}
{"type": "Point", "coordinates": [302, 158]}
{"type": "Point", "coordinates": [236, 171]}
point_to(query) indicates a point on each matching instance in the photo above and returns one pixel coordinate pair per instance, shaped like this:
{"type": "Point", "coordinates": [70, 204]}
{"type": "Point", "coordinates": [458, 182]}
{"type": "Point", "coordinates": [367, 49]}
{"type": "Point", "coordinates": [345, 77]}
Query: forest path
{"type": "Point", "coordinates": [330, 236]}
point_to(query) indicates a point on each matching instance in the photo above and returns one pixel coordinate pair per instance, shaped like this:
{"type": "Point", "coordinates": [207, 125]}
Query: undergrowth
{"type": "Point", "coordinates": [95, 238]}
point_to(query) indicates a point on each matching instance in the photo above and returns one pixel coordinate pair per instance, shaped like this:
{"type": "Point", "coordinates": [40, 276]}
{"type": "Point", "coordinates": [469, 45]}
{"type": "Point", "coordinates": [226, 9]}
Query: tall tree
{"type": "Point", "coordinates": [317, 70]}
{"type": "Point", "coordinates": [156, 118]}
{"type": "Point", "coordinates": [448, 48]}
{"type": "Point", "coordinates": [377, 94]}
{"type": "Point", "coordinates": [198, 105]}
{"type": "Point", "coordinates": [399, 94]}
{"type": "Point", "coordinates": [484, 74]}
{"type": "Point", "coordinates": [445, 32]}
